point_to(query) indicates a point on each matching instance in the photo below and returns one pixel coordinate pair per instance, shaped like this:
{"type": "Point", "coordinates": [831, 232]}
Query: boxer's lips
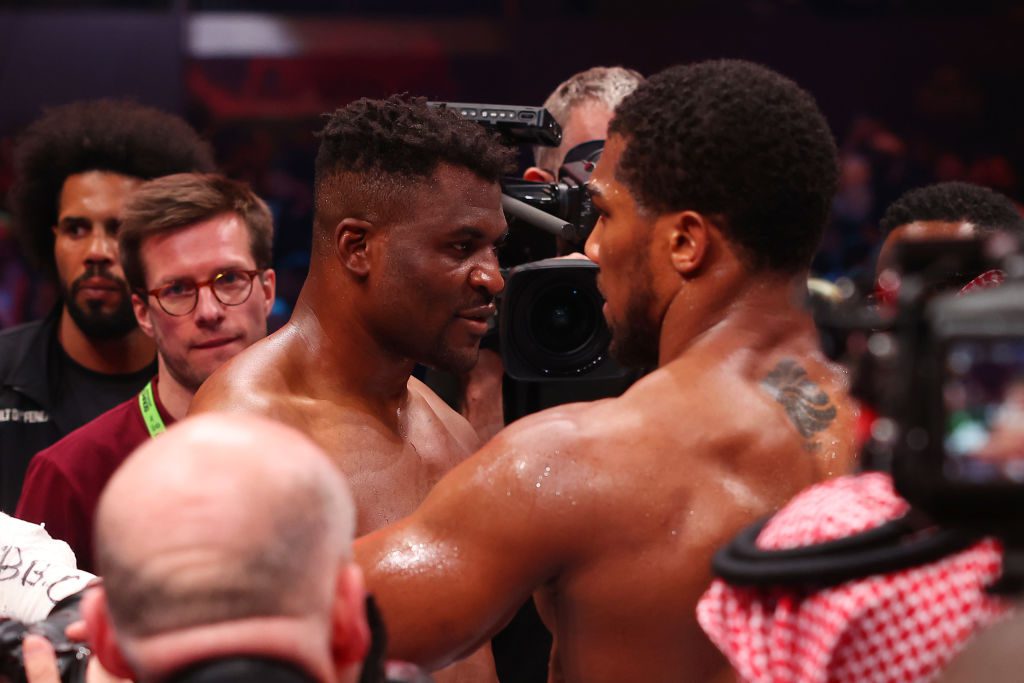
{"type": "Point", "coordinates": [478, 312]}
{"type": "Point", "coordinates": [476, 318]}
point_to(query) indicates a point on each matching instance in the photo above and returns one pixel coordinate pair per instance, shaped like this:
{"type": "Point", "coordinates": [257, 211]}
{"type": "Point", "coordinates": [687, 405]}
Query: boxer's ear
{"type": "Point", "coordinates": [351, 245]}
{"type": "Point", "coordinates": [689, 240]}
{"type": "Point", "coordinates": [101, 636]}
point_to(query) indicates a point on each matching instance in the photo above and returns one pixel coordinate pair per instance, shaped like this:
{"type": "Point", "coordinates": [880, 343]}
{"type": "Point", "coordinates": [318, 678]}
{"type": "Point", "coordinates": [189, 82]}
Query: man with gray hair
{"type": "Point", "coordinates": [583, 105]}
{"type": "Point", "coordinates": [203, 584]}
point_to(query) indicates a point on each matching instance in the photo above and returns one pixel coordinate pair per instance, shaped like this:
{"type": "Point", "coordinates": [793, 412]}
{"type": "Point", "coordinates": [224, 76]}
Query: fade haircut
{"type": "Point", "coordinates": [100, 135]}
{"type": "Point", "coordinates": [178, 201]}
{"type": "Point", "coordinates": [955, 202]}
{"type": "Point", "coordinates": [372, 151]}
{"type": "Point", "coordinates": [737, 141]}
{"type": "Point", "coordinates": [607, 85]}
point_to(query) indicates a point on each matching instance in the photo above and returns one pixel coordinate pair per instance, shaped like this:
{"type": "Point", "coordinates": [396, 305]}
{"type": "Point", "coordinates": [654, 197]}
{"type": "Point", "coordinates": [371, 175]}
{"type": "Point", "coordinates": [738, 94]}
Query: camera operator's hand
{"type": "Point", "coordinates": [40, 660]}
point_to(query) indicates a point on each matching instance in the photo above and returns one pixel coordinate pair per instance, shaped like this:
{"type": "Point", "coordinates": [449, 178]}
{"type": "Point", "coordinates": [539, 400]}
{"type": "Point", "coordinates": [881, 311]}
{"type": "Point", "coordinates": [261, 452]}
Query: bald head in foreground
{"type": "Point", "coordinates": [713, 191]}
{"type": "Point", "coordinates": [215, 547]}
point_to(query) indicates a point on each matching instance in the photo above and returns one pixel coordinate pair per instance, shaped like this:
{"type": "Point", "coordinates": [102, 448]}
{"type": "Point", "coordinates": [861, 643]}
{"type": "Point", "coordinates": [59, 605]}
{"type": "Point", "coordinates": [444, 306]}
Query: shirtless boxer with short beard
{"type": "Point", "coordinates": [403, 271]}
{"type": "Point", "coordinates": [714, 189]}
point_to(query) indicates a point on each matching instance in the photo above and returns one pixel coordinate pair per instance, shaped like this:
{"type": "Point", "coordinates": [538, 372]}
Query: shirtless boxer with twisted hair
{"type": "Point", "coordinates": [403, 271]}
{"type": "Point", "coordinates": [714, 189]}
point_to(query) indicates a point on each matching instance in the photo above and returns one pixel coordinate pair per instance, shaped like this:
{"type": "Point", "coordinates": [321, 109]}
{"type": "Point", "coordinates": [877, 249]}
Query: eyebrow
{"type": "Point", "coordinates": [594, 189]}
{"type": "Point", "coordinates": [475, 233]}
{"type": "Point", "coordinates": [73, 219]}
{"type": "Point", "coordinates": [467, 231]}
{"type": "Point", "coordinates": [216, 271]}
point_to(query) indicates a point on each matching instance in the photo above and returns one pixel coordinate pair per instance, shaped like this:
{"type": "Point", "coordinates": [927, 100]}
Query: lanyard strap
{"type": "Point", "coordinates": [150, 415]}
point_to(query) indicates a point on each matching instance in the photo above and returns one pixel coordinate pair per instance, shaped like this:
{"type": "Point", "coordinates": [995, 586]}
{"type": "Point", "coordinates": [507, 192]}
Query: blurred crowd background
{"type": "Point", "coordinates": [915, 91]}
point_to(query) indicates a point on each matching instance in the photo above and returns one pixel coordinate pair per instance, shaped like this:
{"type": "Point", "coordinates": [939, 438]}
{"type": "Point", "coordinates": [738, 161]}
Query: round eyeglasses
{"type": "Point", "coordinates": [231, 288]}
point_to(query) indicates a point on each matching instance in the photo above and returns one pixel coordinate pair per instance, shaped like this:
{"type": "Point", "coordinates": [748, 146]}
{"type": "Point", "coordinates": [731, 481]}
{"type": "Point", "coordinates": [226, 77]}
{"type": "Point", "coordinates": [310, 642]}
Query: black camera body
{"type": "Point", "coordinates": [567, 199]}
{"type": "Point", "coordinates": [945, 374]}
{"type": "Point", "coordinates": [958, 446]}
{"type": "Point", "coordinates": [72, 657]}
{"type": "Point", "coordinates": [551, 323]}
{"type": "Point", "coordinates": [515, 124]}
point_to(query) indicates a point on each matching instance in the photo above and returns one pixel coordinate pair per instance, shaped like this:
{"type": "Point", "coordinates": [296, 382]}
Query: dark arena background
{"type": "Point", "coordinates": [914, 91]}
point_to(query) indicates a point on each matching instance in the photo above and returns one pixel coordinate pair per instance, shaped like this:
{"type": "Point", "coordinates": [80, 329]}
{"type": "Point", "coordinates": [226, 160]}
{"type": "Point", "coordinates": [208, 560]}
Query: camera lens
{"type": "Point", "coordinates": [562, 318]}
{"type": "Point", "coordinates": [552, 321]}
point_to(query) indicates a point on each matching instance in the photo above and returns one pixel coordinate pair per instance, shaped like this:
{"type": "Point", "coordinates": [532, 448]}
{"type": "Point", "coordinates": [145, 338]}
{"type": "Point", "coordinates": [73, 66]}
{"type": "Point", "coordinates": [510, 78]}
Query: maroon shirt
{"type": "Point", "coordinates": [64, 482]}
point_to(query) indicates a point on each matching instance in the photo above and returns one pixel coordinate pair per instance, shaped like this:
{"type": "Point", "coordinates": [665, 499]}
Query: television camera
{"type": "Point", "coordinates": [937, 355]}
{"type": "Point", "coordinates": [550, 323]}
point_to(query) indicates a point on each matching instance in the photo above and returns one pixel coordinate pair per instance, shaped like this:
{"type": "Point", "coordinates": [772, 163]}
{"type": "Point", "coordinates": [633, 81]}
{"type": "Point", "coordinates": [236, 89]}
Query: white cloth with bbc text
{"type": "Point", "coordinates": [36, 571]}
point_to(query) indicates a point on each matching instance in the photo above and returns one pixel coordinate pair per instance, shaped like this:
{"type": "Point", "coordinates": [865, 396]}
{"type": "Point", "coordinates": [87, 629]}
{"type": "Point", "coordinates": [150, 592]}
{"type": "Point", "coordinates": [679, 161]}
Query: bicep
{"type": "Point", "coordinates": [453, 573]}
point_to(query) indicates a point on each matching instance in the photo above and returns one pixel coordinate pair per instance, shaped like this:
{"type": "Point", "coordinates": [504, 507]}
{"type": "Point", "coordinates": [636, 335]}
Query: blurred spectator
{"type": "Point", "coordinates": [75, 167]}
{"type": "Point", "coordinates": [582, 105]}
{"type": "Point", "coordinates": [15, 284]}
{"type": "Point", "coordinates": [950, 210]}
{"type": "Point", "coordinates": [196, 250]}
{"type": "Point", "coordinates": [200, 584]}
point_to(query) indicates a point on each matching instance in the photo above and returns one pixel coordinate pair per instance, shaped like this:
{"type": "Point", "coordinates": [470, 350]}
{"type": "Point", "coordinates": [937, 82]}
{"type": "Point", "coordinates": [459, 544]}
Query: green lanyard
{"type": "Point", "coordinates": [150, 415]}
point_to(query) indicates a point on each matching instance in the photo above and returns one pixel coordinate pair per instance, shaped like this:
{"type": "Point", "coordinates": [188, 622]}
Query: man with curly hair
{"type": "Point", "coordinates": [196, 250]}
{"type": "Point", "coordinates": [713, 190]}
{"type": "Point", "coordinates": [403, 271]}
{"type": "Point", "coordinates": [944, 211]}
{"type": "Point", "coordinates": [74, 169]}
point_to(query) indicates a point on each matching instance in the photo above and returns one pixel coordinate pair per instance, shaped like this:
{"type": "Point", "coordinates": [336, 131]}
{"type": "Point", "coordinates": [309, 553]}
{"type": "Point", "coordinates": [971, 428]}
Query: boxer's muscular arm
{"type": "Point", "coordinates": [495, 528]}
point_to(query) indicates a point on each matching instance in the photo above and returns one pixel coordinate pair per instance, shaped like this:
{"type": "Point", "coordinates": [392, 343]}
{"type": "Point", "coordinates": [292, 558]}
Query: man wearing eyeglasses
{"type": "Point", "coordinates": [196, 252]}
{"type": "Point", "coordinates": [74, 168]}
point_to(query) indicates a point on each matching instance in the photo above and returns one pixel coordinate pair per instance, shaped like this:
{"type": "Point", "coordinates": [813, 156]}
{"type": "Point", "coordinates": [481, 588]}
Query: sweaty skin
{"type": "Point", "coordinates": [377, 300]}
{"type": "Point", "coordinates": [391, 461]}
{"type": "Point", "coordinates": [609, 512]}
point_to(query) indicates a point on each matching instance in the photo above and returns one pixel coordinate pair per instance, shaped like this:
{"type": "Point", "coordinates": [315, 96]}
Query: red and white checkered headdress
{"type": "Point", "coordinates": [900, 627]}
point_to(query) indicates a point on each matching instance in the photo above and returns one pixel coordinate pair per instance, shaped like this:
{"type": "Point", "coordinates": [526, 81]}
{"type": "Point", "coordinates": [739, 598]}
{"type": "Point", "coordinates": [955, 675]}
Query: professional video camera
{"type": "Point", "coordinates": [939, 371]}
{"type": "Point", "coordinates": [72, 657]}
{"type": "Point", "coordinates": [550, 322]}
{"type": "Point", "coordinates": [945, 374]}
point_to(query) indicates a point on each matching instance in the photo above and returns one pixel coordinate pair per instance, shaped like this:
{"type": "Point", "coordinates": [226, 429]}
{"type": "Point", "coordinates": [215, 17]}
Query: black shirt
{"type": "Point", "coordinates": [44, 395]}
{"type": "Point", "coordinates": [86, 394]}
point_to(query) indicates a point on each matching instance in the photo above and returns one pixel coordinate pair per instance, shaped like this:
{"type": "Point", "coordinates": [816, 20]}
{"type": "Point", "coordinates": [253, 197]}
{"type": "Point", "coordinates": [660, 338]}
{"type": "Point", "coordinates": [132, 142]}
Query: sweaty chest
{"type": "Point", "coordinates": [390, 472]}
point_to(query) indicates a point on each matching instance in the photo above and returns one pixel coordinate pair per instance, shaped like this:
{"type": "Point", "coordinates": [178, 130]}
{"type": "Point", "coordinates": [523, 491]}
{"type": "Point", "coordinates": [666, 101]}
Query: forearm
{"type": "Point", "coordinates": [436, 607]}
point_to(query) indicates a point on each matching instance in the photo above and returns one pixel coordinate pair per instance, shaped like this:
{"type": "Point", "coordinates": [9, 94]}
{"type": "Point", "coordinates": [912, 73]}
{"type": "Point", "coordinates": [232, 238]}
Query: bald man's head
{"type": "Point", "coordinates": [224, 517]}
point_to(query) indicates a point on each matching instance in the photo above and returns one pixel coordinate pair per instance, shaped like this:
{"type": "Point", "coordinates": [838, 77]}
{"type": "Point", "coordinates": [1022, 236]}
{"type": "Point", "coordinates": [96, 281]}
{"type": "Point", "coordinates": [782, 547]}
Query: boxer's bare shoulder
{"type": "Point", "coordinates": [258, 380]}
{"type": "Point", "coordinates": [626, 497]}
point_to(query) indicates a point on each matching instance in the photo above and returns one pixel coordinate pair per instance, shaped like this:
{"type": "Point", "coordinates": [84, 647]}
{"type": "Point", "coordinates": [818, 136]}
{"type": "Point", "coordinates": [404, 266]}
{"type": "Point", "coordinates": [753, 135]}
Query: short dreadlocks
{"type": "Point", "coordinates": [382, 146]}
